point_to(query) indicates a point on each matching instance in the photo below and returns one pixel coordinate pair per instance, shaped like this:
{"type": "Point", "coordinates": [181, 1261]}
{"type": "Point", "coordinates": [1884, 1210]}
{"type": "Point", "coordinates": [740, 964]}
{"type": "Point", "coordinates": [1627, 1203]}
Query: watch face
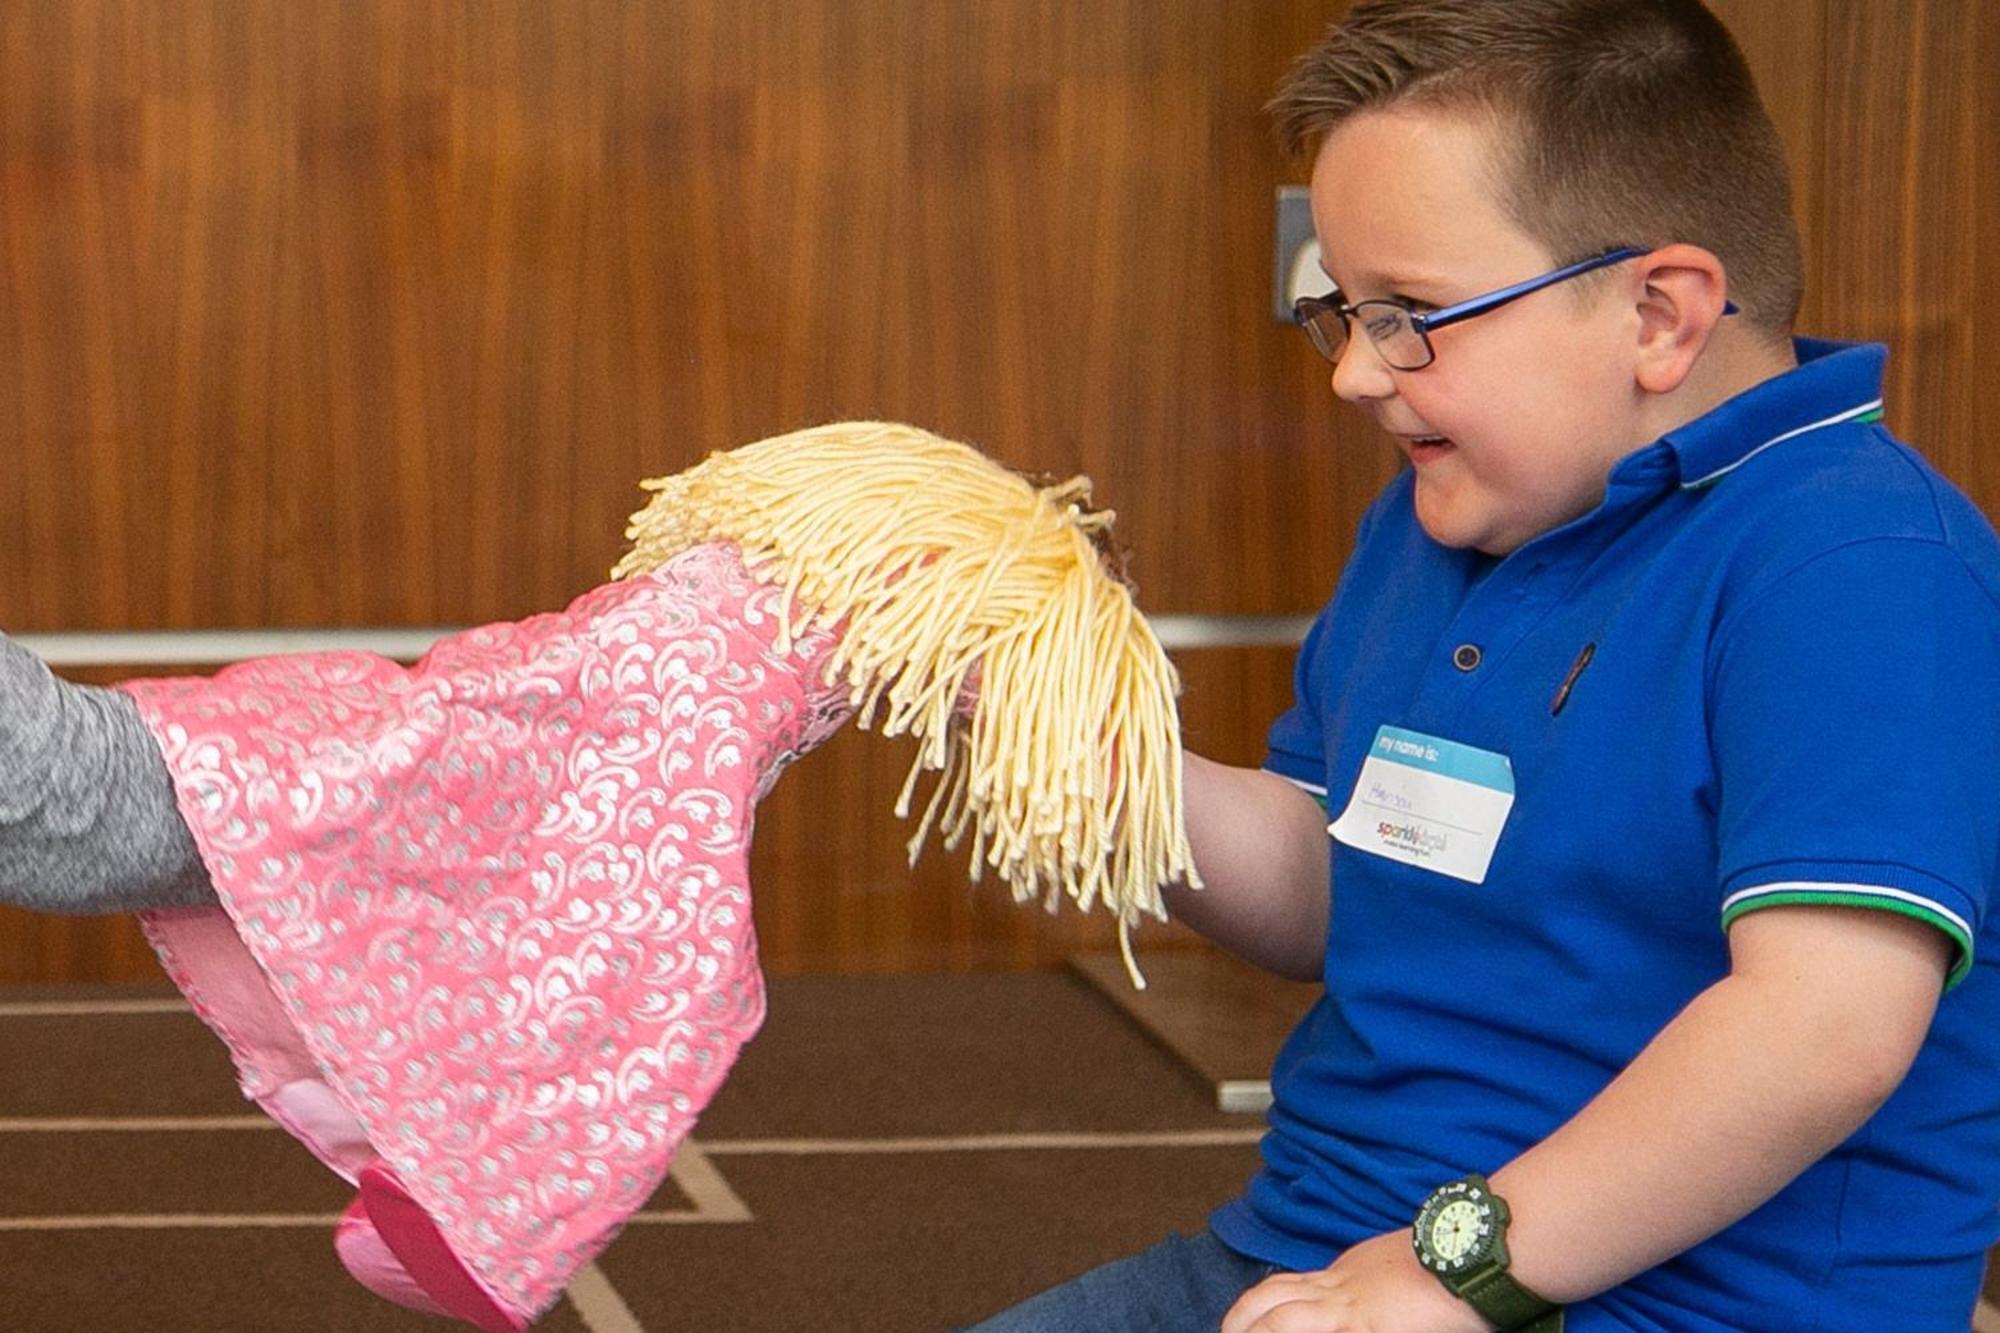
{"type": "Point", "coordinates": [1456, 1231]}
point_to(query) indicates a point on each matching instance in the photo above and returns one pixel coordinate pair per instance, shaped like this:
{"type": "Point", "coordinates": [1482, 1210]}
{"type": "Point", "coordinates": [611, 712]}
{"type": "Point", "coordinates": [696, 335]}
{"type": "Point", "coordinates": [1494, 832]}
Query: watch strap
{"type": "Point", "coordinates": [1504, 1302]}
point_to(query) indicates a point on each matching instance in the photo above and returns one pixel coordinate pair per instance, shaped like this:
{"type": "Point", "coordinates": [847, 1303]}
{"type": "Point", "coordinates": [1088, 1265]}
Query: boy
{"type": "Point", "coordinates": [1657, 721]}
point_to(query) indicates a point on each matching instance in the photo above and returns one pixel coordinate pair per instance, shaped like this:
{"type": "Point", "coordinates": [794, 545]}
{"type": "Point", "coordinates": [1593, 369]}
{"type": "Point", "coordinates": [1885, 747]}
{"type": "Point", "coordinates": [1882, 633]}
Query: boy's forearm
{"type": "Point", "coordinates": [88, 822]}
{"type": "Point", "coordinates": [1754, 1081]}
{"type": "Point", "coordinates": [1260, 844]}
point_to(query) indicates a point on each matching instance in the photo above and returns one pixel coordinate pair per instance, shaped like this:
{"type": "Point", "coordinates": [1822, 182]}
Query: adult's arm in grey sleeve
{"type": "Point", "coordinates": [88, 823]}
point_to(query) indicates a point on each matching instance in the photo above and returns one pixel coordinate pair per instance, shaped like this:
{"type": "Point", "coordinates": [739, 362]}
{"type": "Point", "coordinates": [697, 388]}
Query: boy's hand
{"type": "Point", "coordinates": [1375, 1287]}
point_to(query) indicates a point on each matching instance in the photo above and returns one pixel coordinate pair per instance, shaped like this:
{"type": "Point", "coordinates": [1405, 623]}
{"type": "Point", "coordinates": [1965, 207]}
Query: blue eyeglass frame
{"type": "Point", "coordinates": [1306, 308]}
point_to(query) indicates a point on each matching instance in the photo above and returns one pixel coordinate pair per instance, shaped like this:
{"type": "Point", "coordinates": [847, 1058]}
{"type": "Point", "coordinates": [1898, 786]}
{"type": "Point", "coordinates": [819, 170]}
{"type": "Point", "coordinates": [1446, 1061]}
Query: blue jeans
{"type": "Point", "coordinates": [1182, 1285]}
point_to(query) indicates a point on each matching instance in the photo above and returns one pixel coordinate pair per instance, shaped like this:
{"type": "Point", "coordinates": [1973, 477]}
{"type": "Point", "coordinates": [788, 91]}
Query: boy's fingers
{"type": "Point", "coordinates": [1277, 1305]}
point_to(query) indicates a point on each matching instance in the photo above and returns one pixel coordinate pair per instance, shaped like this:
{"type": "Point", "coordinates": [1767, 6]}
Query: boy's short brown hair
{"type": "Point", "coordinates": [1626, 122]}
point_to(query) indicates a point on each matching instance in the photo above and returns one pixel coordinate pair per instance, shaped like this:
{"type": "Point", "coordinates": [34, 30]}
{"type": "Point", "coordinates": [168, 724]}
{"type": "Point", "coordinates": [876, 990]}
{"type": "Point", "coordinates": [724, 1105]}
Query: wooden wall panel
{"type": "Point", "coordinates": [1898, 218]}
{"type": "Point", "coordinates": [376, 311]}
{"type": "Point", "coordinates": [1986, 207]}
{"type": "Point", "coordinates": [372, 311]}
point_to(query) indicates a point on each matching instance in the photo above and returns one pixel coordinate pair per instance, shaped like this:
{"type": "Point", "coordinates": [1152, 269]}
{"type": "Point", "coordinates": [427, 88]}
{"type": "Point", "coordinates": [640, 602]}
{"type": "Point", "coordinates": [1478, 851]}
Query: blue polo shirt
{"type": "Point", "coordinates": [1780, 637]}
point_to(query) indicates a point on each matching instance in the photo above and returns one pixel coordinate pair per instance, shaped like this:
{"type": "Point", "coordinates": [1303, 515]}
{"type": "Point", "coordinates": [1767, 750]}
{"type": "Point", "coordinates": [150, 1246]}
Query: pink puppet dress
{"type": "Point", "coordinates": [485, 943]}
{"type": "Point", "coordinates": [485, 940]}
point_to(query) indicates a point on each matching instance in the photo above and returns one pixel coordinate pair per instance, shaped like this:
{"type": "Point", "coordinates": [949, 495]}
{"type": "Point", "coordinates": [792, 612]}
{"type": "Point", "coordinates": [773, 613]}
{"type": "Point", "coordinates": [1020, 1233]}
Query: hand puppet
{"type": "Point", "coordinates": [484, 938]}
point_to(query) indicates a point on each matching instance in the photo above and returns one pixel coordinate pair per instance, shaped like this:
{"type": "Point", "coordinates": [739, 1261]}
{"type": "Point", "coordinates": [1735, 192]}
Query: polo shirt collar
{"type": "Point", "coordinates": [1833, 382]}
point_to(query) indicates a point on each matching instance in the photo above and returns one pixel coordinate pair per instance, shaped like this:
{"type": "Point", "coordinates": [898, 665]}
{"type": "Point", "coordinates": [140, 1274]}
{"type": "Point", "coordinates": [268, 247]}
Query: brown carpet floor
{"type": "Point", "coordinates": [922, 1233]}
{"type": "Point", "coordinates": [920, 1237]}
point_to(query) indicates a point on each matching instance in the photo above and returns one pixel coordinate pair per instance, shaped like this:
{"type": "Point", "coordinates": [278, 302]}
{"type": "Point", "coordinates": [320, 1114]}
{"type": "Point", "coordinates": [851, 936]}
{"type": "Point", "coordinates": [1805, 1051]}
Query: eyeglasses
{"type": "Point", "coordinates": [1402, 335]}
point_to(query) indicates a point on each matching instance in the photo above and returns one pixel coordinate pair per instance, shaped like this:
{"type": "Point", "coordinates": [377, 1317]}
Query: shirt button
{"type": "Point", "coordinates": [1466, 657]}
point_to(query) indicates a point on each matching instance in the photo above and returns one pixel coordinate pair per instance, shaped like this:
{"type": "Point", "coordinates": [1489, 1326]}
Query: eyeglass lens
{"type": "Point", "coordinates": [1324, 325]}
{"type": "Point", "coordinates": [1390, 329]}
{"type": "Point", "coordinates": [1388, 326]}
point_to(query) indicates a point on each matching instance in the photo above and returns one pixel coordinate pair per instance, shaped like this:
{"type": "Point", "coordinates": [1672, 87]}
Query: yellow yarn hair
{"type": "Point", "coordinates": [941, 562]}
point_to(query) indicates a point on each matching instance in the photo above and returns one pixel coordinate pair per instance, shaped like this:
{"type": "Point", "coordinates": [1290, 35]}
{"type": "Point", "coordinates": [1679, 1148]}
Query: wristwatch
{"type": "Point", "coordinates": [1461, 1236]}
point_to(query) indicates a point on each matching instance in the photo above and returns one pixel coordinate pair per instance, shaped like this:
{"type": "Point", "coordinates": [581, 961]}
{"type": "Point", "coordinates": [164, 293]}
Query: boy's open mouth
{"type": "Point", "coordinates": [1423, 447]}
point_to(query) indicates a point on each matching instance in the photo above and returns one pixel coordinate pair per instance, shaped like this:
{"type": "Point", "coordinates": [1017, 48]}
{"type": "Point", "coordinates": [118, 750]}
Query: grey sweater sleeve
{"type": "Point", "coordinates": [88, 822]}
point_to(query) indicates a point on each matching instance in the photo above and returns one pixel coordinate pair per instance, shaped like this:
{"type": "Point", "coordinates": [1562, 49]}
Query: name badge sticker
{"type": "Point", "coordinates": [1429, 802]}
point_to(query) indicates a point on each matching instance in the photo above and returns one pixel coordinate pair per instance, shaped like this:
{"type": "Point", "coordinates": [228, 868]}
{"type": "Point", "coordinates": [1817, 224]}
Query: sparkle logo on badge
{"type": "Point", "coordinates": [1429, 802]}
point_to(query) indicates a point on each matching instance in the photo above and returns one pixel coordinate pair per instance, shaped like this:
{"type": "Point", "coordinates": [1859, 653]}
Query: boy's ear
{"type": "Point", "coordinates": [1682, 290]}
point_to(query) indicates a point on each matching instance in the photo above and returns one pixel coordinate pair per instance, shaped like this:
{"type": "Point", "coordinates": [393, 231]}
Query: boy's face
{"type": "Point", "coordinates": [1533, 402]}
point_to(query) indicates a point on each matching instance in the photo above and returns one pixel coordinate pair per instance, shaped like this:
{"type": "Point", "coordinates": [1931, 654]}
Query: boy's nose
{"type": "Point", "coordinates": [1361, 375]}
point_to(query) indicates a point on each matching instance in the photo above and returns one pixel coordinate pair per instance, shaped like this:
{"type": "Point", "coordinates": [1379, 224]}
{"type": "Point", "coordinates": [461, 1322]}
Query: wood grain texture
{"type": "Point", "coordinates": [373, 311]}
{"type": "Point", "coordinates": [1899, 216]}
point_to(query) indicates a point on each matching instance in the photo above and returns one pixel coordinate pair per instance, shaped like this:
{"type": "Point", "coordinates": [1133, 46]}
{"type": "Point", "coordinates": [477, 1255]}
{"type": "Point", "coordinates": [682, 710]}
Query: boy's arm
{"type": "Point", "coordinates": [1762, 1074]}
{"type": "Point", "coordinates": [1261, 846]}
{"type": "Point", "coordinates": [1823, 680]}
{"type": "Point", "coordinates": [1821, 1015]}
{"type": "Point", "coordinates": [88, 822]}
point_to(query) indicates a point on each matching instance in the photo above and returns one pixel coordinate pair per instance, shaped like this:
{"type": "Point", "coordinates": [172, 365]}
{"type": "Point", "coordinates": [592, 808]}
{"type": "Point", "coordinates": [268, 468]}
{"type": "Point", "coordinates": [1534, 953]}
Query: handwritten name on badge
{"type": "Point", "coordinates": [1429, 802]}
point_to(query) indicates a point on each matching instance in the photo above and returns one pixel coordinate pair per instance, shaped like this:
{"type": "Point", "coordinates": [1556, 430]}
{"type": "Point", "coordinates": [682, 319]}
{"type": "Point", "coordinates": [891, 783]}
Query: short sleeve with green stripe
{"type": "Point", "coordinates": [1855, 701]}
